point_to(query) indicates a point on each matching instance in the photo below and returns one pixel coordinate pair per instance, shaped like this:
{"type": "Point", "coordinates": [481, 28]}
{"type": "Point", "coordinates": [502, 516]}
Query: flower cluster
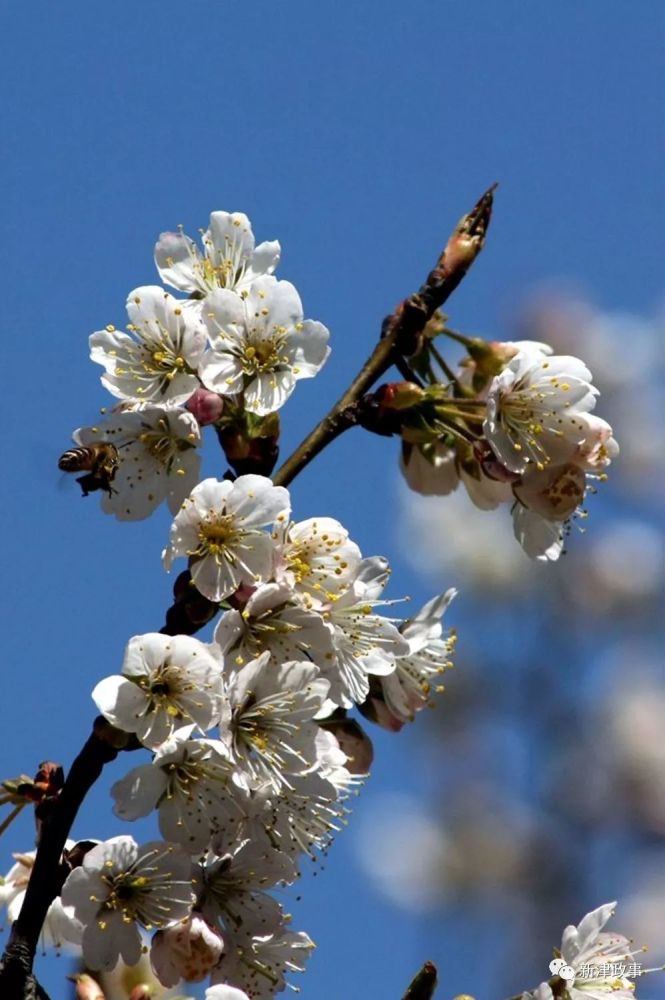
{"type": "Point", "coordinates": [237, 344]}
{"type": "Point", "coordinates": [251, 768]}
{"type": "Point", "coordinates": [514, 426]}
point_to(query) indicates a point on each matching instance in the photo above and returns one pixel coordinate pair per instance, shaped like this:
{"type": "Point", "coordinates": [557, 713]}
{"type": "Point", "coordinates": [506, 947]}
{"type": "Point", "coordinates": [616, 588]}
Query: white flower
{"type": "Point", "coordinates": [408, 689]}
{"type": "Point", "coordinates": [534, 407]}
{"type": "Point", "coordinates": [303, 819]}
{"type": "Point", "coordinates": [156, 449]}
{"type": "Point", "coordinates": [483, 491]}
{"type": "Point", "coordinates": [118, 982]}
{"type": "Point", "coordinates": [188, 951]}
{"type": "Point", "coordinates": [364, 643]}
{"type": "Point", "coordinates": [261, 345]}
{"type": "Point", "coordinates": [317, 559]}
{"type": "Point", "coordinates": [232, 885]}
{"type": "Point", "coordinates": [598, 447]}
{"type": "Point", "coordinates": [430, 469]}
{"type": "Point", "coordinates": [225, 992]}
{"type": "Point", "coordinates": [219, 524]}
{"type": "Point", "coordinates": [120, 885]}
{"type": "Point", "coordinates": [545, 503]}
{"type": "Point", "coordinates": [268, 725]}
{"type": "Point", "coordinates": [542, 992]}
{"type": "Point", "coordinates": [596, 958]}
{"type": "Point", "coordinates": [167, 682]}
{"type": "Point", "coordinates": [261, 963]}
{"type": "Point", "coordinates": [268, 623]}
{"type": "Point", "coordinates": [230, 259]}
{"type": "Point", "coordinates": [61, 928]}
{"type": "Point", "coordinates": [159, 362]}
{"type": "Point", "coordinates": [191, 783]}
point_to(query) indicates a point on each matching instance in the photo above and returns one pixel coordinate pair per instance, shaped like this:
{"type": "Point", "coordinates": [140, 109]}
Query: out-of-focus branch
{"type": "Point", "coordinates": [400, 333]}
{"type": "Point", "coordinates": [423, 985]}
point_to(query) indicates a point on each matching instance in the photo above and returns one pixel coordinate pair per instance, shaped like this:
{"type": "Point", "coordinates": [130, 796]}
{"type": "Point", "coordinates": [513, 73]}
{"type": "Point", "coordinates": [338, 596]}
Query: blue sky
{"type": "Point", "coordinates": [357, 135]}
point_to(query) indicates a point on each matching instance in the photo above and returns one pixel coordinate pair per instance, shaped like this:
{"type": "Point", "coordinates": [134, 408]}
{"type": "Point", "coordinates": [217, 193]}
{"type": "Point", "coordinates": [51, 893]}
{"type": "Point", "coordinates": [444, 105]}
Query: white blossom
{"type": "Point", "coordinates": [120, 885]}
{"type": "Point", "coordinates": [225, 992]}
{"type": "Point", "coordinates": [189, 951]}
{"type": "Point", "coordinates": [158, 362]}
{"type": "Point", "coordinates": [260, 344]}
{"type": "Point", "coordinates": [270, 623]}
{"type": "Point", "coordinates": [232, 884]}
{"type": "Point", "coordinates": [61, 928]}
{"type": "Point", "coordinates": [219, 526]}
{"type": "Point", "coordinates": [301, 819]}
{"type": "Point", "coordinates": [261, 962]}
{"type": "Point", "coordinates": [167, 682]}
{"type": "Point", "coordinates": [191, 783]}
{"type": "Point", "coordinates": [158, 459]}
{"type": "Point", "coordinates": [598, 448]}
{"type": "Point", "coordinates": [430, 469]}
{"type": "Point", "coordinates": [408, 689]}
{"type": "Point", "coordinates": [534, 407]}
{"type": "Point", "coordinates": [483, 491]}
{"type": "Point", "coordinates": [595, 955]}
{"type": "Point", "coordinates": [364, 643]}
{"type": "Point", "coordinates": [267, 722]}
{"type": "Point", "coordinates": [230, 259]}
{"type": "Point", "coordinates": [317, 559]}
{"type": "Point", "coordinates": [546, 501]}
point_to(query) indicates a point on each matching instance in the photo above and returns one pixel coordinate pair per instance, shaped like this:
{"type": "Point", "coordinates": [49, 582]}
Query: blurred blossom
{"type": "Point", "coordinates": [121, 980]}
{"type": "Point", "coordinates": [644, 907]}
{"type": "Point", "coordinates": [493, 842]}
{"type": "Point", "coordinates": [634, 722]}
{"type": "Point", "coordinates": [625, 564]}
{"type": "Point", "coordinates": [640, 470]}
{"type": "Point", "coordinates": [619, 347]}
{"type": "Point", "coordinates": [449, 538]}
{"type": "Point", "coordinates": [402, 849]}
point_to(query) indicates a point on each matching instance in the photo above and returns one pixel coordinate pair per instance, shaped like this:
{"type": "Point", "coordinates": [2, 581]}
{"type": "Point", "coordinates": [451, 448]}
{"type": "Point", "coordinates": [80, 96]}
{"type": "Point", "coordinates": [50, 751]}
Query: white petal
{"type": "Point", "coordinates": [138, 793]}
{"type": "Point", "coordinates": [120, 702]}
{"type": "Point", "coordinates": [175, 254]}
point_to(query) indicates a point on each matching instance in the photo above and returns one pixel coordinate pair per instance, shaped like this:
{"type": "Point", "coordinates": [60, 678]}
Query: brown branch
{"type": "Point", "coordinates": [423, 985]}
{"type": "Point", "coordinates": [47, 875]}
{"type": "Point", "coordinates": [400, 333]}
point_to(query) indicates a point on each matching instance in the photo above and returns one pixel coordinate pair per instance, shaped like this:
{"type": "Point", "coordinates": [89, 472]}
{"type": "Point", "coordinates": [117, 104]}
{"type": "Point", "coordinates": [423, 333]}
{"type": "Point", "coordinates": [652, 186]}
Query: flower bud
{"type": "Point", "coordinates": [205, 405]}
{"type": "Point", "coordinates": [87, 988]}
{"type": "Point", "coordinates": [353, 741]}
{"type": "Point", "coordinates": [142, 991]}
{"type": "Point", "coordinates": [399, 395]}
{"type": "Point", "coordinates": [188, 951]}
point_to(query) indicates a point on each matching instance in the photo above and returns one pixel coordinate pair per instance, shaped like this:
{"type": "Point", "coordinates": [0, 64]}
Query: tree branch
{"type": "Point", "coordinates": [47, 875]}
{"type": "Point", "coordinates": [399, 333]}
{"type": "Point", "coordinates": [423, 984]}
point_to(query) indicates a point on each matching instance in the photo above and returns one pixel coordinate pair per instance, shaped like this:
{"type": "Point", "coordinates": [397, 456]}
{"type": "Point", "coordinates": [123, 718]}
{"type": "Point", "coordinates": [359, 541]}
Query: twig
{"type": "Point", "coordinates": [400, 333]}
{"type": "Point", "coordinates": [47, 874]}
{"type": "Point", "coordinates": [423, 985]}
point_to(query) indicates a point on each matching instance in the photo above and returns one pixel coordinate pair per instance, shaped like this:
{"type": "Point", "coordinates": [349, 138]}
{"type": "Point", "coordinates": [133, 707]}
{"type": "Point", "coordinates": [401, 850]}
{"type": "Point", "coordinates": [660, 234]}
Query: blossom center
{"type": "Point", "coordinates": [215, 533]}
{"type": "Point", "coordinates": [264, 355]}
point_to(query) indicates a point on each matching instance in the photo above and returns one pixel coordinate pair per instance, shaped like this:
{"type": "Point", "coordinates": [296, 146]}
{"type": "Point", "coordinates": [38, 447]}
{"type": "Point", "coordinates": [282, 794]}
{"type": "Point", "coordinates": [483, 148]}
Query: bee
{"type": "Point", "coordinates": [98, 461]}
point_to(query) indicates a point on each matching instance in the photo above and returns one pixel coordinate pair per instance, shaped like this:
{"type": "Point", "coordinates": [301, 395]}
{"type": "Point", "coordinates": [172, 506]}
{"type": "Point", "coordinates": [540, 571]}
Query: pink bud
{"type": "Point", "coordinates": [239, 599]}
{"type": "Point", "coordinates": [87, 988]}
{"type": "Point", "coordinates": [141, 992]}
{"type": "Point", "coordinates": [205, 405]}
